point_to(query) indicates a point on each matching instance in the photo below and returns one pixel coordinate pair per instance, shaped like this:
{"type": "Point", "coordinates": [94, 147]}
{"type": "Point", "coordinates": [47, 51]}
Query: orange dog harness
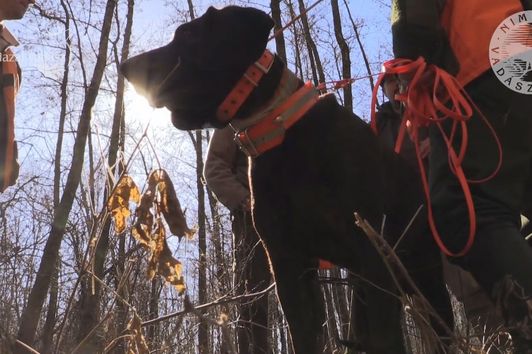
{"type": "Point", "coordinates": [270, 130]}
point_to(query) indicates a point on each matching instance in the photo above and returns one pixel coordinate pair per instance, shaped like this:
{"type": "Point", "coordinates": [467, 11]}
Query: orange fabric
{"type": "Point", "coordinates": [247, 83]}
{"type": "Point", "coordinates": [269, 132]}
{"type": "Point", "coordinates": [323, 264]}
{"type": "Point", "coordinates": [426, 101]}
{"type": "Point", "coordinates": [9, 67]}
{"type": "Point", "coordinates": [469, 25]}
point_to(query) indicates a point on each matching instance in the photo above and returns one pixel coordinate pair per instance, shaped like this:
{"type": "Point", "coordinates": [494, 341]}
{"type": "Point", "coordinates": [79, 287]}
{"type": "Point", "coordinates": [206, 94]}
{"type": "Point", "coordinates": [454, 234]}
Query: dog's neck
{"type": "Point", "coordinates": [286, 84]}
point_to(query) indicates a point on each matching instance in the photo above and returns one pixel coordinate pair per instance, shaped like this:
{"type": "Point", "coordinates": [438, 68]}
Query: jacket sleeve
{"type": "Point", "coordinates": [219, 170]}
{"type": "Point", "coordinates": [416, 31]}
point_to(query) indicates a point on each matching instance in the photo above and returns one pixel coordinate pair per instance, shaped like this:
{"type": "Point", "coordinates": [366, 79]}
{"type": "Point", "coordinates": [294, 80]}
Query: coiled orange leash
{"type": "Point", "coordinates": [433, 96]}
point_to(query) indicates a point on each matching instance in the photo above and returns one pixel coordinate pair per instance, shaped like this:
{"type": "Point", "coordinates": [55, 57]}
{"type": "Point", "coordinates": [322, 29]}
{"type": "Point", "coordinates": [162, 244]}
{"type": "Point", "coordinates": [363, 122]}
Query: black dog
{"type": "Point", "coordinates": [305, 190]}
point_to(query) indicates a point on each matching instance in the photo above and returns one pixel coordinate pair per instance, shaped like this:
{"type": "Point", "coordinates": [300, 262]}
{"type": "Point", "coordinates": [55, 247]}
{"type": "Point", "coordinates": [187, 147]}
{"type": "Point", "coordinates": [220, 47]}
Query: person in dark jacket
{"type": "Point", "coordinates": [10, 71]}
{"type": "Point", "coordinates": [455, 35]}
{"type": "Point", "coordinates": [478, 306]}
{"type": "Point", "coordinates": [389, 117]}
{"type": "Point", "coordinates": [226, 174]}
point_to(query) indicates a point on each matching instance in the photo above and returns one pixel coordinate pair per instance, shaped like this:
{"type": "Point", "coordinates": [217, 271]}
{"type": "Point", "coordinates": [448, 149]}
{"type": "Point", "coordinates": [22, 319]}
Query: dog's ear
{"type": "Point", "coordinates": [241, 31]}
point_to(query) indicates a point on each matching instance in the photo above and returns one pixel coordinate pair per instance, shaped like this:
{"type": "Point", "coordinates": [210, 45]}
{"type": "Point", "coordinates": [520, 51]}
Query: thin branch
{"type": "Point", "coordinates": [220, 301]}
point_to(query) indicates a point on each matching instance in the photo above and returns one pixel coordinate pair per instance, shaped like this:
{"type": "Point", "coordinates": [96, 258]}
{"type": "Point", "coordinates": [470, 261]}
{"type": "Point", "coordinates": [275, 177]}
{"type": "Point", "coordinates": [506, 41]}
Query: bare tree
{"type": "Point", "coordinates": [31, 314]}
{"type": "Point", "coordinates": [318, 73]}
{"type": "Point", "coordinates": [91, 304]}
{"type": "Point", "coordinates": [344, 50]}
{"type": "Point", "coordinates": [280, 46]}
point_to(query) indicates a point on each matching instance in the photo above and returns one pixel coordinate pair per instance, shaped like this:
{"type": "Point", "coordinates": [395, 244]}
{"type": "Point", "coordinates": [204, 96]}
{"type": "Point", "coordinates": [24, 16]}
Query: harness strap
{"type": "Point", "coordinates": [269, 132]}
{"type": "Point", "coordinates": [247, 83]}
{"type": "Point", "coordinates": [432, 96]}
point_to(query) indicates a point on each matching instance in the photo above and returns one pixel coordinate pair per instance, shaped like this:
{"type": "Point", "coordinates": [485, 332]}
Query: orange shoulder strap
{"type": "Point", "coordinates": [10, 85]}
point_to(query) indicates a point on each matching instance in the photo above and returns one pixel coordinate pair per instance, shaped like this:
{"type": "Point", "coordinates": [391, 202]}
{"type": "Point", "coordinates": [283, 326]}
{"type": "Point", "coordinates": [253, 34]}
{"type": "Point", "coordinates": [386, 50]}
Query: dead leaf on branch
{"type": "Point", "coordinates": [168, 203]}
{"type": "Point", "coordinates": [136, 343]}
{"type": "Point", "coordinates": [163, 263]}
{"type": "Point", "coordinates": [149, 230]}
{"type": "Point", "coordinates": [142, 230]}
{"type": "Point", "coordinates": [118, 203]}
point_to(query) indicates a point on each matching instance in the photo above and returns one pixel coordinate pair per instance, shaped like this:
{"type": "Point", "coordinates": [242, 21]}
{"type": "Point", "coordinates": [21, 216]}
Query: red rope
{"type": "Point", "coordinates": [336, 85]}
{"type": "Point", "coordinates": [432, 96]}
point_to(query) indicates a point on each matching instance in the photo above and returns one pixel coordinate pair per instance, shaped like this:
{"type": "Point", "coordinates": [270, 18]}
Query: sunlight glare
{"type": "Point", "coordinates": [139, 110]}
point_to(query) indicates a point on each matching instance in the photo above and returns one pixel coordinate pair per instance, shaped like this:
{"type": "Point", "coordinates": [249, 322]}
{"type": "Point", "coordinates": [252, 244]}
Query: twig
{"type": "Point", "coordinates": [219, 301]}
{"type": "Point", "coordinates": [395, 266]}
{"type": "Point", "coordinates": [222, 324]}
{"type": "Point", "coordinates": [408, 227]}
{"type": "Point", "coordinates": [281, 30]}
{"type": "Point", "coordinates": [27, 347]}
{"type": "Point", "coordinates": [115, 341]}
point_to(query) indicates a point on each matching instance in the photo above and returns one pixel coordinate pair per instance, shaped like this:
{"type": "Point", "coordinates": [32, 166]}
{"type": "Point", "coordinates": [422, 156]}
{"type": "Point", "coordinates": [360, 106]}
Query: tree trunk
{"type": "Point", "coordinates": [153, 330]}
{"type": "Point", "coordinates": [62, 113]}
{"type": "Point", "coordinates": [203, 332]}
{"type": "Point", "coordinates": [362, 50]}
{"type": "Point", "coordinates": [90, 312]}
{"type": "Point", "coordinates": [314, 57]}
{"type": "Point", "coordinates": [48, 329]}
{"type": "Point", "coordinates": [344, 50]}
{"type": "Point", "coordinates": [297, 50]}
{"type": "Point", "coordinates": [51, 315]}
{"type": "Point", "coordinates": [31, 314]}
{"type": "Point", "coordinates": [280, 46]}
{"type": "Point", "coordinates": [222, 276]}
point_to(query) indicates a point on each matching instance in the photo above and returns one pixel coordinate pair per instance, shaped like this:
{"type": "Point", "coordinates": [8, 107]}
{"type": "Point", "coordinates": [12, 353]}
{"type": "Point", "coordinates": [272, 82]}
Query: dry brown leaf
{"type": "Point", "coordinates": [143, 227]}
{"type": "Point", "coordinates": [163, 263]}
{"type": "Point", "coordinates": [169, 204]}
{"type": "Point", "coordinates": [171, 270]}
{"type": "Point", "coordinates": [136, 343]}
{"type": "Point", "coordinates": [150, 232]}
{"type": "Point", "coordinates": [118, 203]}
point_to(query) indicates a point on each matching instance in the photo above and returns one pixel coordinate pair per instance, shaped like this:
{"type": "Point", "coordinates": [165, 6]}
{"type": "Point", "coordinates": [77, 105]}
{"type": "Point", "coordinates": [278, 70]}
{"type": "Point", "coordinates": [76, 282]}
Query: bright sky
{"type": "Point", "coordinates": [154, 24]}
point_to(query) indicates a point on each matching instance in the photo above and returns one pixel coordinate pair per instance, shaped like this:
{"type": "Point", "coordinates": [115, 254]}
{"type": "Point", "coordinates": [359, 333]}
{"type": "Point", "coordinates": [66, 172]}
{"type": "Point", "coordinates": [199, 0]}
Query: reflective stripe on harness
{"type": "Point", "coordinates": [269, 132]}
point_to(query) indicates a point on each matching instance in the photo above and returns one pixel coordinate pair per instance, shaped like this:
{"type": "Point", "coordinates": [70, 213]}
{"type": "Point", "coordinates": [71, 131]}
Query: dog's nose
{"type": "Point", "coordinates": [137, 73]}
{"type": "Point", "coordinates": [127, 69]}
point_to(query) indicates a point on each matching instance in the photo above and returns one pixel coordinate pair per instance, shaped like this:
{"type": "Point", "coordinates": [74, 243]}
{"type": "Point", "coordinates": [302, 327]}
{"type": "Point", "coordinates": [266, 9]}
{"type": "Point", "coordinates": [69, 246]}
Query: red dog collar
{"type": "Point", "coordinates": [247, 83]}
{"type": "Point", "coordinates": [269, 132]}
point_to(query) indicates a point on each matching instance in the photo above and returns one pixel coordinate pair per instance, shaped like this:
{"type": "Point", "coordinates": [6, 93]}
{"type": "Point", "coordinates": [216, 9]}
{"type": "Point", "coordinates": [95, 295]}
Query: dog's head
{"type": "Point", "coordinates": [194, 72]}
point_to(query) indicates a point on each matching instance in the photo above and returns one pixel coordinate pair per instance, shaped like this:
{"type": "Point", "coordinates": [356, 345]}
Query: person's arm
{"type": "Point", "coordinates": [219, 170]}
{"type": "Point", "coordinates": [417, 31]}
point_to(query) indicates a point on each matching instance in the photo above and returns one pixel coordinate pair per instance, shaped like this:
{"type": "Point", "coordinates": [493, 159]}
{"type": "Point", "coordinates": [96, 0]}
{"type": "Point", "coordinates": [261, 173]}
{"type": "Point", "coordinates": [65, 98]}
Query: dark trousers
{"type": "Point", "coordinates": [252, 274]}
{"type": "Point", "coordinates": [500, 259]}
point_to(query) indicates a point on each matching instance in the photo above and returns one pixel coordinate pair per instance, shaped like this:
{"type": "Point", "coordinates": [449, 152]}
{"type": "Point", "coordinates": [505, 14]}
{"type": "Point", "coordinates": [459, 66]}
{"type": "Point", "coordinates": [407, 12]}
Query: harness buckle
{"type": "Point", "coordinates": [262, 68]}
{"type": "Point", "coordinates": [253, 82]}
{"type": "Point", "coordinates": [245, 144]}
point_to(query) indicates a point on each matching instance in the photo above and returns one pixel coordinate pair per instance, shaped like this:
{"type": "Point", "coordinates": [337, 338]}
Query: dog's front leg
{"type": "Point", "coordinates": [300, 297]}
